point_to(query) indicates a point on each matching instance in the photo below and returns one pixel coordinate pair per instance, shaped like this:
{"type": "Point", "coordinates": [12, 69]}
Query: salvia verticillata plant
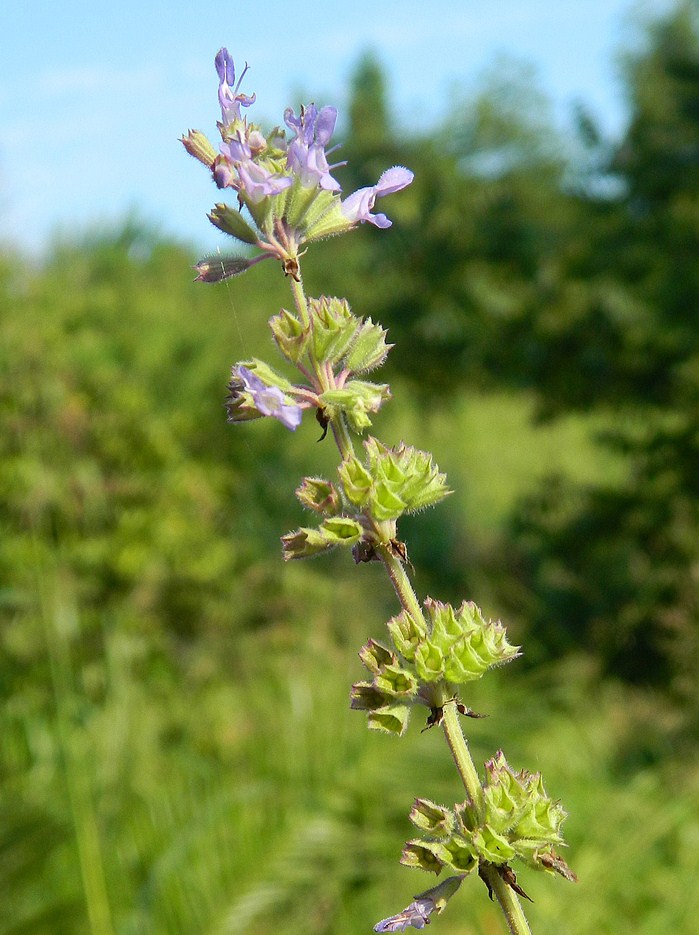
{"type": "Point", "coordinates": [285, 199]}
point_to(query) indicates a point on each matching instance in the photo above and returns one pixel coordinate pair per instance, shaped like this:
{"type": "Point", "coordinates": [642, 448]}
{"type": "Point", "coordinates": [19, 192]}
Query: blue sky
{"type": "Point", "coordinates": [93, 96]}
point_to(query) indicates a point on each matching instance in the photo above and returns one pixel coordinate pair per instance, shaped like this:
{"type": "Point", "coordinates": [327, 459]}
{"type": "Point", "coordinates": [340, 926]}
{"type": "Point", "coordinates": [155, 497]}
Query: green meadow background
{"type": "Point", "coordinates": [177, 754]}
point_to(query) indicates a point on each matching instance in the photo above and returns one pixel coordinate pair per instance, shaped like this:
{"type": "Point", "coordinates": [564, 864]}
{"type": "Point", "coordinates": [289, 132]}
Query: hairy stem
{"type": "Point", "coordinates": [402, 586]}
{"type": "Point", "coordinates": [343, 440]}
{"type": "Point", "coordinates": [300, 300]}
{"type": "Point", "coordinates": [462, 758]}
{"type": "Point", "coordinates": [507, 898]}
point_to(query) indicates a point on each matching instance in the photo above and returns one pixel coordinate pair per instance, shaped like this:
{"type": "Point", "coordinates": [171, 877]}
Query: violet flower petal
{"type": "Point", "coordinates": [269, 400]}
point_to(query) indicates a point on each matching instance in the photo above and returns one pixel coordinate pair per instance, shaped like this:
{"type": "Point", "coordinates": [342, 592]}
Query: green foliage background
{"type": "Point", "coordinates": [176, 749]}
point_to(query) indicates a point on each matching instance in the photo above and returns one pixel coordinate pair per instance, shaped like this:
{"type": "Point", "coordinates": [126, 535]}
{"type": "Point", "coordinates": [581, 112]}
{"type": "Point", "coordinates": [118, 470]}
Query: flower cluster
{"type": "Point", "coordinates": [519, 821]}
{"type": "Point", "coordinates": [330, 348]}
{"type": "Point", "coordinates": [285, 183]}
{"type": "Point", "coordinates": [427, 662]}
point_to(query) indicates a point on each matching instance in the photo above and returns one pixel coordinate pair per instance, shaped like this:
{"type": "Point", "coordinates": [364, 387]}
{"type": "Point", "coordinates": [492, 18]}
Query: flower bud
{"type": "Point", "coordinates": [219, 268]}
{"type": "Point", "coordinates": [435, 820]}
{"type": "Point", "coordinates": [232, 222]}
{"type": "Point", "coordinates": [198, 145]}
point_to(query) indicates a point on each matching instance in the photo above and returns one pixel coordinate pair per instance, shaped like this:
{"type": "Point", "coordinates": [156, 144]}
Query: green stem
{"type": "Point", "coordinates": [402, 586]}
{"type": "Point", "coordinates": [343, 439]}
{"type": "Point", "coordinates": [462, 758]}
{"type": "Point", "coordinates": [300, 300]}
{"type": "Point", "coordinates": [450, 721]}
{"type": "Point", "coordinates": [507, 898]}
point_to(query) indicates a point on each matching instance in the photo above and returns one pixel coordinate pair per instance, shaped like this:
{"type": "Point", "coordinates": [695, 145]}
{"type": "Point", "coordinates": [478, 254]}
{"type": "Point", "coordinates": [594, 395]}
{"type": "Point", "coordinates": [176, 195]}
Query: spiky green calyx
{"type": "Point", "coordinates": [392, 481]}
{"type": "Point", "coordinates": [433, 819]}
{"type": "Point", "coordinates": [369, 348]}
{"type": "Point", "coordinates": [461, 645]}
{"type": "Point", "coordinates": [333, 328]}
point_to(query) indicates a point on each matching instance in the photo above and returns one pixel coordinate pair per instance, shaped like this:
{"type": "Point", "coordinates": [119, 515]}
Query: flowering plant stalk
{"type": "Point", "coordinates": [288, 198]}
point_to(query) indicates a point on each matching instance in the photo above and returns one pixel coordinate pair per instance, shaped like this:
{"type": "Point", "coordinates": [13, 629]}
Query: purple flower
{"type": "Point", "coordinates": [357, 206]}
{"type": "Point", "coordinates": [236, 168]}
{"type": "Point", "coordinates": [306, 156]}
{"type": "Point", "coordinates": [417, 915]}
{"type": "Point", "coordinates": [257, 182]}
{"type": "Point", "coordinates": [228, 96]}
{"type": "Point", "coordinates": [269, 400]}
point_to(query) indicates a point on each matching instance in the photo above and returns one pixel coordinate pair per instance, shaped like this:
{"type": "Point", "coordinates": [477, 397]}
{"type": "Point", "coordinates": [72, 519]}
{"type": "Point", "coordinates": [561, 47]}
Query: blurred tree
{"type": "Point", "coordinates": [475, 233]}
{"type": "Point", "coordinates": [618, 568]}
